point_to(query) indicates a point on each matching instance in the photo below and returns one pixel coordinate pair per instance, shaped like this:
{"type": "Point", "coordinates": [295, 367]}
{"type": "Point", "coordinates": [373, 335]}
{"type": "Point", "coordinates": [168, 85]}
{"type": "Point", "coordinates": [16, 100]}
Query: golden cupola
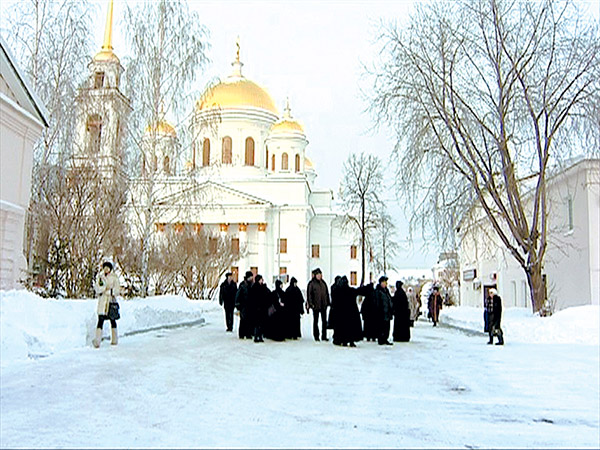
{"type": "Point", "coordinates": [161, 128]}
{"type": "Point", "coordinates": [236, 92]}
{"type": "Point", "coordinates": [287, 124]}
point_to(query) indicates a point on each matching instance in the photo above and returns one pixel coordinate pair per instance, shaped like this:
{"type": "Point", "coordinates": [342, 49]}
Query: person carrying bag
{"type": "Point", "coordinates": [107, 287]}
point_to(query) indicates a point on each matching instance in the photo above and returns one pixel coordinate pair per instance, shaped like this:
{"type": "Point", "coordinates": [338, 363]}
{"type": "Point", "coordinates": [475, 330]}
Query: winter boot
{"type": "Point", "coordinates": [96, 341]}
{"type": "Point", "coordinates": [114, 336]}
{"type": "Point", "coordinates": [500, 338]}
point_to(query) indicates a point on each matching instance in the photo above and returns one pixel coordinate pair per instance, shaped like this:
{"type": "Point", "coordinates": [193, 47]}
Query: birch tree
{"type": "Point", "coordinates": [485, 98]}
{"type": "Point", "coordinates": [167, 47]}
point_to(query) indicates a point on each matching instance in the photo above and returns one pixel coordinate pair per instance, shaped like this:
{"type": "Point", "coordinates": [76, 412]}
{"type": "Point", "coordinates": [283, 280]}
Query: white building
{"type": "Point", "coordinates": [22, 120]}
{"type": "Point", "coordinates": [572, 259]}
{"type": "Point", "coordinates": [247, 174]}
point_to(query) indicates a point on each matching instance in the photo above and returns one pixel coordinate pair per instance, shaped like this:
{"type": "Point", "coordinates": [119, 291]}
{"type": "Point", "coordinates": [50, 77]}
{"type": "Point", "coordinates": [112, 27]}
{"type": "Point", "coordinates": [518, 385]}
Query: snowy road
{"type": "Point", "coordinates": [201, 387]}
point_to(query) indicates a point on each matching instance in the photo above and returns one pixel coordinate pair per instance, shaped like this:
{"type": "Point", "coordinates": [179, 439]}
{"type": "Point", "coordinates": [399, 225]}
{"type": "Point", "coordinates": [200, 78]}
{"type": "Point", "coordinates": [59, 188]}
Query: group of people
{"type": "Point", "coordinates": [276, 314]}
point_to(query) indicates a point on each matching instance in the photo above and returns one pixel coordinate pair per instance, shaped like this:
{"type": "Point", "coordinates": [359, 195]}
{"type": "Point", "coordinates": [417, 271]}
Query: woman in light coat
{"type": "Point", "coordinates": [414, 306]}
{"type": "Point", "coordinates": [107, 287]}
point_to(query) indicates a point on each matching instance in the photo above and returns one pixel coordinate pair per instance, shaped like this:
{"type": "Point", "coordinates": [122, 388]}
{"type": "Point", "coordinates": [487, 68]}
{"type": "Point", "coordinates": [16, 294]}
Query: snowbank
{"type": "Point", "coordinates": [577, 325]}
{"type": "Point", "coordinates": [33, 327]}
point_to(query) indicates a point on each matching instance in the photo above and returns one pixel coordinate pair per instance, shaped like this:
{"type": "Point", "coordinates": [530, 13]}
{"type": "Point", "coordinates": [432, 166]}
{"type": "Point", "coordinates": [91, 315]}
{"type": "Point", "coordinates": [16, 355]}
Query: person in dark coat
{"type": "Point", "coordinates": [368, 310]}
{"type": "Point", "coordinates": [401, 310]}
{"type": "Point", "coordinates": [317, 299]}
{"type": "Point", "coordinates": [434, 304]}
{"type": "Point", "coordinates": [260, 298]}
{"type": "Point", "coordinates": [294, 309]}
{"type": "Point", "coordinates": [383, 300]}
{"type": "Point", "coordinates": [494, 308]}
{"type": "Point", "coordinates": [246, 327]}
{"type": "Point", "coordinates": [275, 322]}
{"type": "Point", "coordinates": [347, 328]}
{"type": "Point", "coordinates": [227, 293]}
{"type": "Point", "coordinates": [331, 317]}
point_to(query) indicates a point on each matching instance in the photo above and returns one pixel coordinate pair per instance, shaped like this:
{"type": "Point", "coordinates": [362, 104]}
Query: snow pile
{"type": "Point", "coordinates": [577, 325]}
{"type": "Point", "coordinates": [34, 327]}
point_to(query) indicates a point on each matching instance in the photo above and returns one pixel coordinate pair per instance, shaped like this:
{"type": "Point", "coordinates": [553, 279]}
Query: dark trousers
{"type": "Point", "coordinates": [316, 314]}
{"type": "Point", "coordinates": [495, 330]}
{"type": "Point", "coordinates": [229, 316]}
{"type": "Point", "coordinates": [102, 318]}
{"type": "Point", "coordinates": [385, 331]}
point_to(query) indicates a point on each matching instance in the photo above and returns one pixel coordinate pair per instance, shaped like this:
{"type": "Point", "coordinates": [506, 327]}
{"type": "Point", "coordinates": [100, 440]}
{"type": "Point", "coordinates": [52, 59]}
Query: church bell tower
{"type": "Point", "coordinates": [102, 110]}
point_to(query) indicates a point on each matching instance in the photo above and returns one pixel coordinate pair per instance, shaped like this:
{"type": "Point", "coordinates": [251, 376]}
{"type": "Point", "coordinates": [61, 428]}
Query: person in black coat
{"type": "Point", "coordinates": [242, 303]}
{"type": "Point", "coordinates": [294, 309]}
{"type": "Point", "coordinates": [494, 308]}
{"type": "Point", "coordinates": [383, 300]}
{"type": "Point", "coordinates": [401, 311]}
{"type": "Point", "coordinates": [369, 314]}
{"type": "Point", "coordinates": [347, 325]}
{"type": "Point", "coordinates": [227, 293]}
{"type": "Point", "coordinates": [260, 298]}
{"type": "Point", "coordinates": [331, 317]}
{"type": "Point", "coordinates": [276, 323]}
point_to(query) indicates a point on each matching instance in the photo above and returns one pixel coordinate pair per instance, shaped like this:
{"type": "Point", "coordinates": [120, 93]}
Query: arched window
{"type": "Point", "coordinates": [94, 129]}
{"type": "Point", "coordinates": [284, 161]}
{"type": "Point", "coordinates": [267, 158]}
{"type": "Point", "coordinates": [166, 165]}
{"type": "Point", "coordinates": [249, 160]}
{"type": "Point", "coordinates": [194, 154]}
{"type": "Point", "coordinates": [273, 163]}
{"type": "Point", "coordinates": [297, 168]}
{"type": "Point", "coordinates": [206, 152]}
{"type": "Point", "coordinates": [226, 157]}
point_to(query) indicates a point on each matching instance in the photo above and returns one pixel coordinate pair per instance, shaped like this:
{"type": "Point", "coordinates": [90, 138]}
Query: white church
{"type": "Point", "coordinates": [247, 175]}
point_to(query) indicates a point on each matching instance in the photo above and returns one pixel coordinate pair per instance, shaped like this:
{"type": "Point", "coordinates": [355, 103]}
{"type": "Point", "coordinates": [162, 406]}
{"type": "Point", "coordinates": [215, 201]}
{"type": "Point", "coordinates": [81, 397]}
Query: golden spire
{"type": "Point", "coordinates": [107, 45]}
{"type": "Point", "coordinates": [237, 43]}
{"type": "Point", "coordinates": [287, 112]}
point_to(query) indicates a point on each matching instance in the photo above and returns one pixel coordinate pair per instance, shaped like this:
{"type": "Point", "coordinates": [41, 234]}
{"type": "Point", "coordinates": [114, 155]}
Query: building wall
{"type": "Point", "coordinates": [571, 262]}
{"type": "Point", "coordinates": [19, 131]}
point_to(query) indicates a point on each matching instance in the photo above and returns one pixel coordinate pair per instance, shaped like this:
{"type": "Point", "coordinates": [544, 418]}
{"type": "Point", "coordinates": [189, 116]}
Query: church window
{"type": "Point", "coordinates": [284, 161]}
{"type": "Point", "coordinates": [570, 213]}
{"type": "Point", "coordinates": [249, 160]}
{"type": "Point", "coordinates": [193, 154]}
{"type": "Point", "coordinates": [235, 272]}
{"type": "Point", "coordinates": [254, 270]}
{"type": "Point", "coordinates": [227, 157]}
{"type": "Point", "coordinates": [235, 246]}
{"type": "Point", "coordinates": [94, 129]}
{"type": "Point", "coordinates": [206, 152]}
{"type": "Point", "coordinates": [179, 227]}
{"type": "Point", "coordinates": [353, 252]}
{"type": "Point", "coordinates": [198, 228]}
{"type": "Point", "coordinates": [316, 250]}
{"type": "Point", "coordinates": [353, 279]}
{"type": "Point", "coordinates": [267, 158]}
{"type": "Point", "coordinates": [98, 80]}
{"type": "Point", "coordinates": [297, 168]}
{"type": "Point", "coordinates": [283, 245]}
{"type": "Point", "coordinates": [273, 163]}
{"type": "Point", "coordinates": [166, 165]}
{"type": "Point", "coordinates": [212, 245]}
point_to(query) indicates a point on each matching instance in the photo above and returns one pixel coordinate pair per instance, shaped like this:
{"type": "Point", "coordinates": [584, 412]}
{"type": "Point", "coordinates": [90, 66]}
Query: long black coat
{"type": "Point", "coordinates": [494, 308]}
{"type": "Point", "coordinates": [347, 326]}
{"type": "Point", "coordinates": [401, 311]}
{"type": "Point", "coordinates": [242, 303]}
{"type": "Point", "coordinates": [276, 323]}
{"type": "Point", "coordinates": [294, 308]}
{"type": "Point", "coordinates": [369, 313]}
{"type": "Point", "coordinates": [259, 300]}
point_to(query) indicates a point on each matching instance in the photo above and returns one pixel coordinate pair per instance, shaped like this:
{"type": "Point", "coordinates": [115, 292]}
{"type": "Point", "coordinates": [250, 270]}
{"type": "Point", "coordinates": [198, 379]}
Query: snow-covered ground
{"type": "Point", "coordinates": [578, 325]}
{"type": "Point", "coordinates": [198, 386]}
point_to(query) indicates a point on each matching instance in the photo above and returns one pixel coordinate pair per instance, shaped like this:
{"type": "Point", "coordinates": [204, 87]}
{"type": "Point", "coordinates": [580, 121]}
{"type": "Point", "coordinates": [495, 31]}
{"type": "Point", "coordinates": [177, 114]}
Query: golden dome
{"type": "Point", "coordinates": [237, 92]}
{"type": "Point", "coordinates": [106, 55]}
{"type": "Point", "coordinates": [287, 125]}
{"type": "Point", "coordinates": [162, 127]}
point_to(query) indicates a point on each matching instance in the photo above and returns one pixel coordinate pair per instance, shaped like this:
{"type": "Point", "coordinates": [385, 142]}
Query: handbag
{"type": "Point", "coordinates": [113, 310]}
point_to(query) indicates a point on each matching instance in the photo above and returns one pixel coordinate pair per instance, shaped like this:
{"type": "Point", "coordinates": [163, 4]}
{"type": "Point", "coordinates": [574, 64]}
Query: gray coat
{"type": "Point", "coordinates": [383, 300]}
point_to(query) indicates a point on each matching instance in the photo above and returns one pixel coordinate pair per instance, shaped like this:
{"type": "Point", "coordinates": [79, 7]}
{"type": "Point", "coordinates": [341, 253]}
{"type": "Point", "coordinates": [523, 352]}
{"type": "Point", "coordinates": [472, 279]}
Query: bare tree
{"type": "Point", "coordinates": [384, 242]}
{"type": "Point", "coordinates": [168, 51]}
{"type": "Point", "coordinates": [486, 97]}
{"type": "Point", "coordinates": [362, 183]}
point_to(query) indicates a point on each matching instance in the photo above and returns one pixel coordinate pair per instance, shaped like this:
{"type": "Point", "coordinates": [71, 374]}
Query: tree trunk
{"type": "Point", "coordinates": [362, 241]}
{"type": "Point", "coordinates": [537, 288]}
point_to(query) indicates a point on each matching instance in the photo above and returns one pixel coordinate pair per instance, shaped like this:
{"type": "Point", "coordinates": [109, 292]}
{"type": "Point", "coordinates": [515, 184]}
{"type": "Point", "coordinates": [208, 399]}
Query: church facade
{"type": "Point", "coordinates": [246, 175]}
